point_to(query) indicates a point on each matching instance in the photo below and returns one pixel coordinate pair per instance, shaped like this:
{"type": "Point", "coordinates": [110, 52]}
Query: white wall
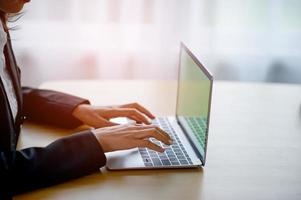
{"type": "Point", "coordinates": [250, 40]}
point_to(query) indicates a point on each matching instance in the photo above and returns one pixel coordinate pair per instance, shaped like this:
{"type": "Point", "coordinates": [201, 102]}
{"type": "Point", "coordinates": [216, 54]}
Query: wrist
{"type": "Point", "coordinates": [77, 112]}
{"type": "Point", "coordinates": [100, 140]}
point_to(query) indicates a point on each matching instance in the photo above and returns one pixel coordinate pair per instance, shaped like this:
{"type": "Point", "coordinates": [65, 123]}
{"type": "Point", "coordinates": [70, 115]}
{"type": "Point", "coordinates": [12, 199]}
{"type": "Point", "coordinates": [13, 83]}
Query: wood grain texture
{"type": "Point", "coordinates": [253, 153]}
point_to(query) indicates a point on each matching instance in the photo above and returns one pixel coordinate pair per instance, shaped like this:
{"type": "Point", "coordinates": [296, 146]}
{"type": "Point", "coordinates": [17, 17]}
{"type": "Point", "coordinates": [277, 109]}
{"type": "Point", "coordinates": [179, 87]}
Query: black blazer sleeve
{"type": "Point", "coordinates": [51, 107]}
{"type": "Point", "coordinates": [64, 159]}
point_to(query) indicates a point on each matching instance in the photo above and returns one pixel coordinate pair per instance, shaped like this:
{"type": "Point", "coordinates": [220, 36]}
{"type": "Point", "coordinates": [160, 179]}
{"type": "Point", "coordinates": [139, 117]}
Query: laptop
{"type": "Point", "coordinates": [188, 129]}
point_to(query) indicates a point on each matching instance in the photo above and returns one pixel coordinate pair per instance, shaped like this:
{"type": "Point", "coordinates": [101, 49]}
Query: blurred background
{"type": "Point", "coordinates": [239, 40]}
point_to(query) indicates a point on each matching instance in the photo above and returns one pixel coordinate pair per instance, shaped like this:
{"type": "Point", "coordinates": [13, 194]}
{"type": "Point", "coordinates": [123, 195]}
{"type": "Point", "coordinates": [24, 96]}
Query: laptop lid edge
{"type": "Point", "coordinates": [210, 77]}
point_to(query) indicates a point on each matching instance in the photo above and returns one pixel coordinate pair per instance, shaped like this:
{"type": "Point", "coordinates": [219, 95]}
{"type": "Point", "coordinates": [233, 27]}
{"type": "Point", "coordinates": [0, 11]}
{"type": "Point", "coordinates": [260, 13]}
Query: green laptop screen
{"type": "Point", "coordinates": [194, 92]}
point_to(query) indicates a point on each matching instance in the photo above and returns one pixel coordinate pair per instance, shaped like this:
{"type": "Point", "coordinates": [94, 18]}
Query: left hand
{"type": "Point", "coordinates": [98, 117]}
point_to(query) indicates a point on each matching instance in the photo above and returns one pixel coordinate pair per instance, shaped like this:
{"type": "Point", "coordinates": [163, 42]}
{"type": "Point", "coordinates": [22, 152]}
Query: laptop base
{"type": "Point", "coordinates": [178, 155]}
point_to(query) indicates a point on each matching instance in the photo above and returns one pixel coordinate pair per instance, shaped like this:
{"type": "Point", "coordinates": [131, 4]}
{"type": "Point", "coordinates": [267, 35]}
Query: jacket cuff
{"type": "Point", "coordinates": [90, 150]}
{"type": "Point", "coordinates": [57, 107]}
{"type": "Point", "coordinates": [98, 150]}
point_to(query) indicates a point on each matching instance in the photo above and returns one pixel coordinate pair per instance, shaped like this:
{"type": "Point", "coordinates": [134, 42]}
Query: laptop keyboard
{"type": "Point", "coordinates": [198, 126]}
{"type": "Point", "coordinates": [174, 155]}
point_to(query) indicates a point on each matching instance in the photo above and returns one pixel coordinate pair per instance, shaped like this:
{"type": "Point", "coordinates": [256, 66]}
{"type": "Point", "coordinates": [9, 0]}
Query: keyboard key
{"type": "Point", "coordinates": [166, 162]}
{"type": "Point", "coordinates": [179, 153]}
{"type": "Point", "coordinates": [173, 159]}
{"type": "Point", "coordinates": [161, 154]}
{"type": "Point", "coordinates": [176, 148]}
{"type": "Point", "coordinates": [170, 154]}
{"type": "Point", "coordinates": [175, 163]}
{"type": "Point", "coordinates": [148, 164]}
{"type": "Point", "coordinates": [146, 160]}
{"type": "Point", "coordinates": [183, 162]}
{"type": "Point", "coordinates": [163, 157]}
{"type": "Point", "coordinates": [152, 152]}
{"type": "Point", "coordinates": [144, 153]}
{"type": "Point", "coordinates": [154, 156]}
{"type": "Point", "coordinates": [145, 156]}
{"type": "Point", "coordinates": [181, 157]}
{"type": "Point", "coordinates": [157, 162]}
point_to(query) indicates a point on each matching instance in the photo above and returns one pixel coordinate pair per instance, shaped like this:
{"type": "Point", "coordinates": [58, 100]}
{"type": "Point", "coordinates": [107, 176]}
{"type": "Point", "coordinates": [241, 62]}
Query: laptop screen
{"type": "Point", "coordinates": [194, 98]}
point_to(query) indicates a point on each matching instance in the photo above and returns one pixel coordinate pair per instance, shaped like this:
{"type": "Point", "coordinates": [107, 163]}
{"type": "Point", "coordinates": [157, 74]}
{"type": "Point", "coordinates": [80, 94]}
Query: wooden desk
{"type": "Point", "coordinates": [254, 147]}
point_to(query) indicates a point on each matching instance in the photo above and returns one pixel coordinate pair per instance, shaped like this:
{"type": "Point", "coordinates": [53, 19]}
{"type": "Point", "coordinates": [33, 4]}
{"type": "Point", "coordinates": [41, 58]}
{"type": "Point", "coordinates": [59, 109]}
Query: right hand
{"type": "Point", "coordinates": [127, 136]}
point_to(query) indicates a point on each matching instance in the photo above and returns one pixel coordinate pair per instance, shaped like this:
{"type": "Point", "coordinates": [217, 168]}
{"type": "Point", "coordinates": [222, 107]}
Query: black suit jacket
{"type": "Point", "coordinates": [64, 159]}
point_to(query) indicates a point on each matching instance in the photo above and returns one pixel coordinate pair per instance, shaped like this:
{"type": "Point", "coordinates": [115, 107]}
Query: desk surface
{"type": "Point", "coordinates": [253, 152]}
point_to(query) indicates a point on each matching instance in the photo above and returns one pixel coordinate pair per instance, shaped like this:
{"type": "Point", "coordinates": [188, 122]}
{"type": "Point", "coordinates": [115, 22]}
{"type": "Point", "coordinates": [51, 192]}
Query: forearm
{"type": "Point", "coordinates": [51, 107]}
{"type": "Point", "coordinates": [62, 160]}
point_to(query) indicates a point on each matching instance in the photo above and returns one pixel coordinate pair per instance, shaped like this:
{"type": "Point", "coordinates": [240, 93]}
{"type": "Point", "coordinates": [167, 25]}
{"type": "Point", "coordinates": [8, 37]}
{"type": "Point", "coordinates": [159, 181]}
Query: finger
{"type": "Point", "coordinates": [141, 127]}
{"type": "Point", "coordinates": [152, 133]}
{"type": "Point", "coordinates": [133, 114]}
{"type": "Point", "coordinates": [145, 127]}
{"type": "Point", "coordinates": [150, 145]}
{"type": "Point", "coordinates": [145, 133]}
{"type": "Point", "coordinates": [131, 127]}
{"type": "Point", "coordinates": [164, 133]}
{"type": "Point", "coordinates": [121, 128]}
{"type": "Point", "coordinates": [140, 108]}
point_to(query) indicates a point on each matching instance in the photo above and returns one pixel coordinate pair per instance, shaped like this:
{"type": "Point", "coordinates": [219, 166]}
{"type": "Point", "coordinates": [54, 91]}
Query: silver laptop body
{"type": "Point", "coordinates": [188, 129]}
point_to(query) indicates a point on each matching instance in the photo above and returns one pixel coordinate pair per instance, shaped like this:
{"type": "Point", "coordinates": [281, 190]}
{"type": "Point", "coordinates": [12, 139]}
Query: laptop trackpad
{"type": "Point", "coordinates": [126, 159]}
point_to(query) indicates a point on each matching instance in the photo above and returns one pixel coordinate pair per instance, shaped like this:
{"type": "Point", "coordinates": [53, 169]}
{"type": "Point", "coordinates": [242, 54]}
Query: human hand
{"type": "Point", "coordinates": [127, 136]}
{"type": "Point", "coordinates": [97, 116]}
